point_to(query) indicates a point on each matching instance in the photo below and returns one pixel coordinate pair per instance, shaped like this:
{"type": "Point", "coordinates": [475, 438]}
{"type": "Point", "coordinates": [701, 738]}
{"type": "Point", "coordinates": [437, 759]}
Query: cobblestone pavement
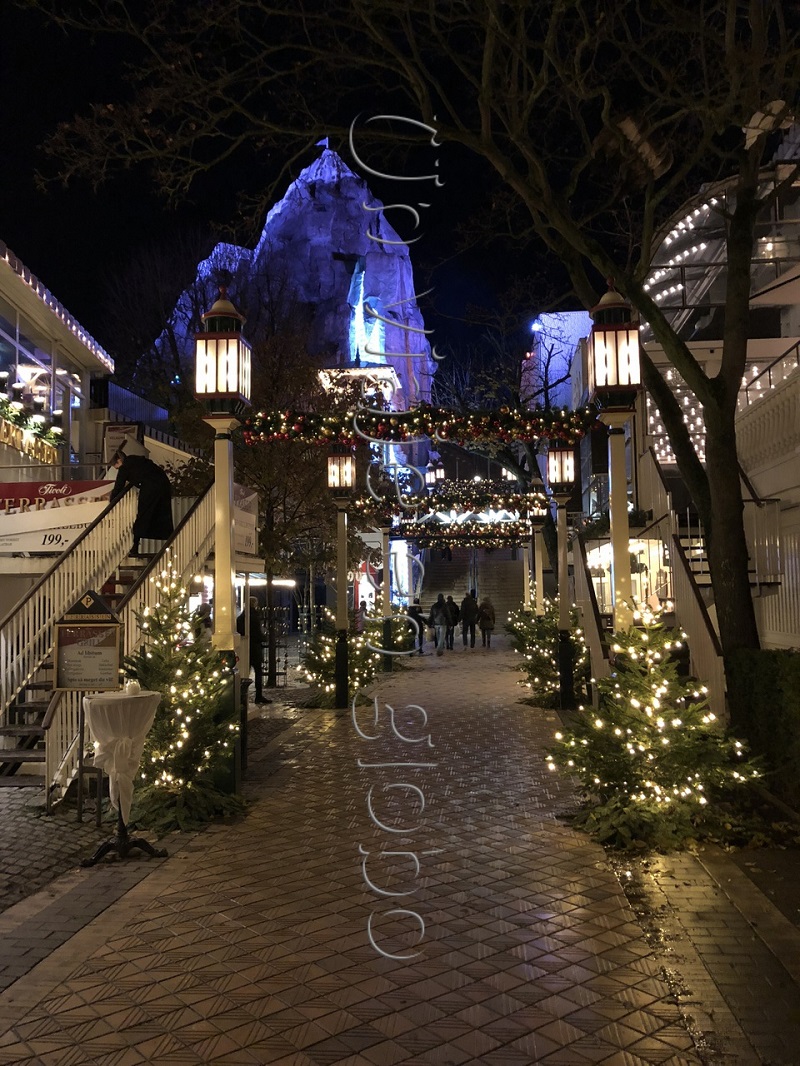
{"type": "Point", "coordinates": [387, 900]}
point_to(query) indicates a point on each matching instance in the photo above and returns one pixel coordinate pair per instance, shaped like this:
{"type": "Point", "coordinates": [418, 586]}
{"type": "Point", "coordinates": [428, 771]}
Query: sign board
{"type": "Point", "coordinates": [245, 517]}
{"type": "Point", "coordinates": [88, 647]}
{"type": "Point", "coordinates": [129, 434]}
{"type": "Point", "coordinates": [45, 517]}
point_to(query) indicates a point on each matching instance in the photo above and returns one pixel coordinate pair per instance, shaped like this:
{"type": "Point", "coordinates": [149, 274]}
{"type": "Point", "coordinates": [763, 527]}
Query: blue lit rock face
{"type": "Point", "coordinates": [326, 251]}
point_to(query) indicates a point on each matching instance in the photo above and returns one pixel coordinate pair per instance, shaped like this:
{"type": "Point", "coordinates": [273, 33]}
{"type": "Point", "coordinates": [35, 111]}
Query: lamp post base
{"type": "Point", "coordinates": [565, 675]}
{"type": "Point", "coordinates": [340, 671]}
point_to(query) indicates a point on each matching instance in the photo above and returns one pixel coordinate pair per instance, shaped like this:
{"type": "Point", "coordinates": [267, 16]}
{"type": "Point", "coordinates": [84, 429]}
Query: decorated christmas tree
{"type": "Point", "coordinates": [654, 761]}
{"type": "Point", "coordinates": [188, 750]}
{"type": "Point", "coordinates": [535, 639]}
{"type": "Point", "coordinates": [364, 658]}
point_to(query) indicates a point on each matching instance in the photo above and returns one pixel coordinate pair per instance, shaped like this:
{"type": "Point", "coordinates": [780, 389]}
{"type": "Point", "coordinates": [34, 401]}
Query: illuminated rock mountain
{"type": "Point", "coordinates": [328, 254]}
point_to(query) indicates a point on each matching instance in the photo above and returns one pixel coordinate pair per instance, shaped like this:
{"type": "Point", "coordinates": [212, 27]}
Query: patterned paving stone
{"type": "Point", "coordinates": [461, 922]}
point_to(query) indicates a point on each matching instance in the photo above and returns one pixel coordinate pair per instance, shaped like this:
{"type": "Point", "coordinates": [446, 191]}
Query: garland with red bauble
{"type": "Point", "coordinates": [502, 426]}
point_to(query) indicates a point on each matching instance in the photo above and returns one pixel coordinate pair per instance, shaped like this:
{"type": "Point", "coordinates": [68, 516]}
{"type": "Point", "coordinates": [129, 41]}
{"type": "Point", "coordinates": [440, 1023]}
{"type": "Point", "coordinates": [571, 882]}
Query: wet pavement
{"type": "Point", "coordinates": [402, 890]}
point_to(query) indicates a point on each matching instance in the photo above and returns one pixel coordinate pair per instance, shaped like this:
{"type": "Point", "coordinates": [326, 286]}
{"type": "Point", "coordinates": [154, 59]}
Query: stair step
{"type": "Point", "coordinates": [38, 706]}
{"type": "Point", "coordinates": [21, 731]}
{"type": "Point", "coordinates": [43, 685]}
{"type": "Point", "coordinates": [22, 781]}
{"type": "Point", "coordinates": [9, 755]}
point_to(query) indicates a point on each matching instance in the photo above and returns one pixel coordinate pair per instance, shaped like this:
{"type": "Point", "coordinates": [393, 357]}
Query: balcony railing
{"type": "Point", "coordinates": [756, 388]}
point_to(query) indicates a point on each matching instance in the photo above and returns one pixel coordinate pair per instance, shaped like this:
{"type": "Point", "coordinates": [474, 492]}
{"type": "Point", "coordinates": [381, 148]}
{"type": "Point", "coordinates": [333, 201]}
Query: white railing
{"type": "Point", "coordinates": [27, 633]}
{"type": "Point", "coordinates": [692, 616]}
{"type": "Point", "coordinates": [779, 614]}
{"type": "Point", "coordinates": [186, 551]}
{"type": "Point", "coordinates": [62, 734]}
{"type": "Point", "coordinates": [785, 366]}
{"type": "Point", "coordinates": [653, 492]}
{"type": "Point", "coordinates": [762, 528]}
{"type": "Point", "coordinates": [587, 603]}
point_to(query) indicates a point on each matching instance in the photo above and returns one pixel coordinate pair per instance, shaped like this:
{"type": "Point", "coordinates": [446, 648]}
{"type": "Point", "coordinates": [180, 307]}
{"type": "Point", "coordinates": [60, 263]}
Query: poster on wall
{"type": "Point", "coordinates": [245, 517]}
{"type": "Point", "coordinates": [44, 517]}
{"type": "Point", "coordinates": [129, 434]}
{"type": "Point", "coordinates": [88, 646]}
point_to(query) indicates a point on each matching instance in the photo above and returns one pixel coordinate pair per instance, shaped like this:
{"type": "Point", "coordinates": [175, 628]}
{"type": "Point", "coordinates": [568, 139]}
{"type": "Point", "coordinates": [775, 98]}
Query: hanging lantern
{"type": "Point", "coordinates": [537, 509]}
{"type": "Point", "coordinates": [439, 474]}
{"type": "Point", "coordinates": [614, 370]}
{"type": "Point", "coordinates": [222, 358]}
{"type": "Point", "coordinates": [560, 468]}
{"type": "Point", "coordinates": [341, 471]}
{"type": "Point", "coordinates": [430, 474]}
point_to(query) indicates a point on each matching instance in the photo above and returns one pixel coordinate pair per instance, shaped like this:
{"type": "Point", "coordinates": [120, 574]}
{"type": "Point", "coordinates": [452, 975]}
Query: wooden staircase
{"type": "Point", "coordinates": [23, 755]}
{"type": "Point", "coordinates": [22, 736]}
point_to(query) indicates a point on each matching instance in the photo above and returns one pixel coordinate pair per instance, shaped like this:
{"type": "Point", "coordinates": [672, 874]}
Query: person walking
{"type": "Point", "coordinates": [453, 614]}
{"type": "Point", "coordinates": [418, 623]}
{"type": "Point", "coordinates": [438, 619]}
{"type": "Point", "coordinates": [255, 645]}
{"type": "Point", "coordinates": [469, 616]}
{"type": "Point", "coordinates": [154, 510]}
{"type": "Point", "coordinates": [360, 616]}
{"type": "Point", "coordinates": [486, 621]}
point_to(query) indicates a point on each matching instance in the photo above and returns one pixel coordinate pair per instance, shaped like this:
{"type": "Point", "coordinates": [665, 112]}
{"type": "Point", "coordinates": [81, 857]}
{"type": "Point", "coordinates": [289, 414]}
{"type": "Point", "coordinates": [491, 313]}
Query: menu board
{"type": "Point", "coordinates": [88, 647]}
{"type": "Point", "coordinates": [87, 657]}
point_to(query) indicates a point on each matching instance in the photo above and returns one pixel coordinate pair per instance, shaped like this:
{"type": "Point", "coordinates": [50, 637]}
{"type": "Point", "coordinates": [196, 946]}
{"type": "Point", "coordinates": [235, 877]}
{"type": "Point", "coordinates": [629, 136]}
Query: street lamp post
{"type": "Point", "coordinates": [222, 384]}
{"type": "Point", "coordinates": [341, 479]}
{"type": "Point", "coordinates": [614, 374]}
{"type": "Point", "coordinates": [537, 513]}
{"type": "Point", "coordinates": [561, 478]}
{"type": "Point", "coordinates": [386, 598]}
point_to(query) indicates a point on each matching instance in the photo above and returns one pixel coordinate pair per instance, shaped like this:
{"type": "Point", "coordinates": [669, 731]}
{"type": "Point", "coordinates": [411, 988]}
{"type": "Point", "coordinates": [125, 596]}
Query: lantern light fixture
{"type": "Point", "coordinates": [561, 468]}
{"type": "Point", "coordinates": [222, 358]}
{"type": "Point", "coordinates": [341, 471]}
{"type": "Point", "coordinates": [614, 367]}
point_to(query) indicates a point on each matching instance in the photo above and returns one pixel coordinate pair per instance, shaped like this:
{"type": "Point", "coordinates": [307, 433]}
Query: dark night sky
{"type": "Point", "coordinates": [70, 238]}
{"type": "Point", "coordinates": [73, 238]}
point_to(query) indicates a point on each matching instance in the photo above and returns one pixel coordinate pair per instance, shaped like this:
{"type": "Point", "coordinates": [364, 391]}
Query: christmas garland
{"type": "Point", "coordinates": [476, 534]}
{"type": "Point", "coordinates": [464, 497]}
{"type": "Point", "coordinates": [503, 426]}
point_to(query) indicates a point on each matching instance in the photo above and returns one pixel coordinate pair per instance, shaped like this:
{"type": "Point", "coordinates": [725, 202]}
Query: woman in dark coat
{"type": "Point", "coordinates": [486, 621]}
{"type": "Point", "coordinates": [154, 513]}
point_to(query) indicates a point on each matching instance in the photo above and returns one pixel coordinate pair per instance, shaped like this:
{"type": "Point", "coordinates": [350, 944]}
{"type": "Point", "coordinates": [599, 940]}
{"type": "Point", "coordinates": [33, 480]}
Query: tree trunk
{"type": "Point", "coordinates": [272, 636]}
{"type": "Point", "coordinates": [727, 546]}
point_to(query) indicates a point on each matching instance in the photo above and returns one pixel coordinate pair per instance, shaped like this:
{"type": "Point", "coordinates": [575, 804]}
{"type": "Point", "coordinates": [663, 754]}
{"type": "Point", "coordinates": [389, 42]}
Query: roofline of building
{"type": "Point", "coordinates": [67, 330]}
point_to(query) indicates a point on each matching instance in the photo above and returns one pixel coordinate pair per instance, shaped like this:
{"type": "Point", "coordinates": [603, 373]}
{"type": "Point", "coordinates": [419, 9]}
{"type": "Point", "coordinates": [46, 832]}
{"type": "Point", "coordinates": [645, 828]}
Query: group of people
{"type": "Point", "coordinates": [445, 615]}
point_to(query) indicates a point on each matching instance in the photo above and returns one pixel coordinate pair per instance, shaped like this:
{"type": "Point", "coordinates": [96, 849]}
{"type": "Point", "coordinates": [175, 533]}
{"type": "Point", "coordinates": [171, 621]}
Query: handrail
{"type": "Point", "coordinates": [652, 525]}
{"type": "Point", "coordinates": [755, 383]}
{"type": "Point", "coordinates": [712, 633]}
{"type": "Point", "coordinates": [157, 561]}
{"type": "Point", "coordinates": [27, 632]}
{"type": "Point", "coordinates": [592, 625]}
{"type": "Point", "coordinates": [77, 543]}
{"type": "Point", "coordinates": [189, 545]}
{"type": "Point", "coordinates": [186, 549]}
{"type": "Point", "coordinates": [659, 472]}
{"type": "Point", "coordinates": [692, 614]}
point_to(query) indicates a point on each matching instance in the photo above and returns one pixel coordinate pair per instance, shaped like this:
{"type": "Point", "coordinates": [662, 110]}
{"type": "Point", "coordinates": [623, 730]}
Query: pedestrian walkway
{"type": "Point", "coordinates": [401, 891]}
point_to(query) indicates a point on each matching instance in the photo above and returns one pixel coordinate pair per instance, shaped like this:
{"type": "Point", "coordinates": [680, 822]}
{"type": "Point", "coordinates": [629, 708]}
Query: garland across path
{"type": "Point", "coordinates": [502, 426]}
{"type": "Point", "coordinates": [465, 497]}
{"type": "Point", "coordinates": [465, 534]}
